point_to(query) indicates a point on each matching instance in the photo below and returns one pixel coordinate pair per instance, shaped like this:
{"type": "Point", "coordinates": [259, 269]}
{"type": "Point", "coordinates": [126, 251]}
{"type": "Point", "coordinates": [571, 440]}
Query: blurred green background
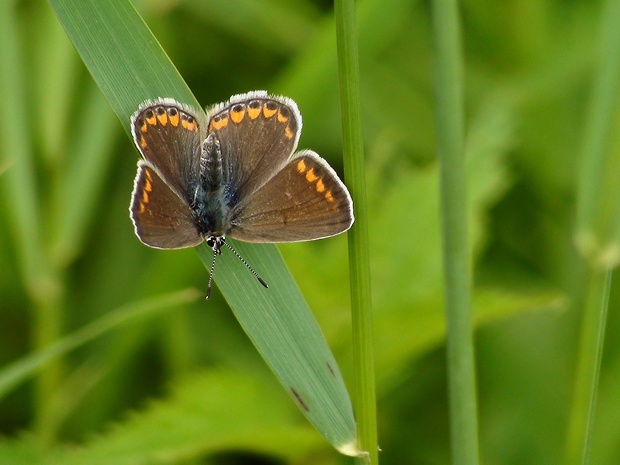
{"type": "Point", "coordinates": [183, 385]}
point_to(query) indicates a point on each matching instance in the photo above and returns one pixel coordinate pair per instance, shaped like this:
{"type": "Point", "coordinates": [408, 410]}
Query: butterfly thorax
{"type": "Point", "coordinates": [209, 206]}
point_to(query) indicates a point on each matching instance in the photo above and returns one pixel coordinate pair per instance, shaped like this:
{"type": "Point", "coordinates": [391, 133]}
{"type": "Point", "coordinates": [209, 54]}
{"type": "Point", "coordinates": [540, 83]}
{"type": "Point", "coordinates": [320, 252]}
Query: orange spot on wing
{"type": "Point", "coordinates": [147, 188]}
{"type": "Point", "coordinates": [253, 112]}
{"type": "Point", "coordinates": [288, 133]}
{"type": "Point", "coordinates": [269, 112]}
{"type": "Point", "coordinates": [174, 120]}
{"type": "Point", "coordinates": [282, 118]}
{"type": "Point", "coordinates": [320, 187]}
{"type": "Point", "coordinates": [189, 125]}
{"type": "Point", "coordinates": [163, 118]}
{"type": "Point", "coordinates": [219, 123]}
{"type": "Point", "coordinates": [237, 116]}
{"type": "Point", "coordinates": [310, 176]}
{"type": "Point", "coordinates": [329, 197]}
{"type": "Point", "coordinates": [301, 166]}
{"type": "Point", "coordinates": [152, 120]}
{"type": "Point", "coordinates": [143, 143]}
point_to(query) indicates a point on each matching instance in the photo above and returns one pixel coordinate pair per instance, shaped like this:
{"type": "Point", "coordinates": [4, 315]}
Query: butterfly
{"type": "Point", "coordinates": [231, 172]}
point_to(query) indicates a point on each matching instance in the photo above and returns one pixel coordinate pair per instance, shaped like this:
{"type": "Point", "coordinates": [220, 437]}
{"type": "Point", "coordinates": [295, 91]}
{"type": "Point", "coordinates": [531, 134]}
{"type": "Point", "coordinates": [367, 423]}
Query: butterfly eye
{"type": "Point", "coordinates": [210, 241]}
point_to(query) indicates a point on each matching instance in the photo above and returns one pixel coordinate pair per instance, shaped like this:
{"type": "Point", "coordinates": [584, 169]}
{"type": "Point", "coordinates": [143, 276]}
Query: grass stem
{"type": "Point", "coordinates": [456, 249]}
{"type": "Point", "coordinates": [359, 262]}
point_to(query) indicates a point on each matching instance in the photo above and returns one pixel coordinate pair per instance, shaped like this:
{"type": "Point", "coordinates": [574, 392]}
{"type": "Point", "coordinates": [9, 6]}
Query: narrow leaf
{"type": "Point", "coordinates": [130, 66]}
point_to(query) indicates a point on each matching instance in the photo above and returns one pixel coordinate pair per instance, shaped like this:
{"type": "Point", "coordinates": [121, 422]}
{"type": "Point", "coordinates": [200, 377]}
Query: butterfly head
{"type": "Point", "coordinates": [216, 243]}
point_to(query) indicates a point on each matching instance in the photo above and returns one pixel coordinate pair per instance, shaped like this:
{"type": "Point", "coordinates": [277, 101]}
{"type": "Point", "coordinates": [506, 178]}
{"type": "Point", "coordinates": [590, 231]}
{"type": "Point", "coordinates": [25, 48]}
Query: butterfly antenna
{"type": "Point", "coordinates": [260, 280]}
{"type": "Point", "coordinates": [215, 254]}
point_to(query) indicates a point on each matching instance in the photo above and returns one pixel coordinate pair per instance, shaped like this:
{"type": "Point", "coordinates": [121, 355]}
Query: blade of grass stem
{"type": "Point", "coordinates": [456, 248]}
{"type": "Point", "coordinates": [590, 351]}
{"type": "Point", "coordinates": [359, 262]}
{"type": "Point", "coordinates": [597, 234]}
{"type": "Point", "coordinates": [598, 211]}
{"type": "Point", "coordinates": [58, 62]}
{"type": "Point", "coordinates": [84, 178]}
{"type": "Point", "coordinates": [22, 203]}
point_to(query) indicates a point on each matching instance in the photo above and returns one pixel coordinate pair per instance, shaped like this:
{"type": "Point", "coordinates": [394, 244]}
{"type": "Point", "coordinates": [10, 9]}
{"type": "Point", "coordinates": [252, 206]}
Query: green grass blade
{"type": "Point", "coordinates": [57, 61]}
{"type": "Point", "coordinates": [124, 58]}
{"type": "Point", "coordinates": [20, 191]}
{"type": "Point", "coordinates": [84, 178]}
{"type": "Point", "coordinates": [598, 209]}
{"type": "Point", "coordinates": [589, 355]}
{"type": "Point", "coordinates": [281, 326]}
{"type": "Point", "coordinates": [129, 66]}
{"type": "Point", "coordinates": [597, 235]}
{"type": "Point", "coordinates": [456, 248]}
{"type": "Point", "coordinates": [17, 372]}
{"type": "Point", "coordinates": [359, 256]}
{"type": "Point", "coordinates": [21, 197]}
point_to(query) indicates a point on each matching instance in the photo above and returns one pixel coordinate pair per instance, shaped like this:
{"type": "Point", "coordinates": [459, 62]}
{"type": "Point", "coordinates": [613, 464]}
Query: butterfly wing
{"type": "Point", "coordinates": [168, 135]}
{"type": "Point", "coordinates": [304, 201]}
{"type": "Point", "coordinates": [257, 134]}
{"type": "Point", "coordinates": [161, 218]}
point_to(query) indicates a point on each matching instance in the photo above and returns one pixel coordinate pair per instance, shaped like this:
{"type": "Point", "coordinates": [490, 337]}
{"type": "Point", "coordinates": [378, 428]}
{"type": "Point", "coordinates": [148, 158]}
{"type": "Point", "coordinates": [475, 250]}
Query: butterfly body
{"type": "Point", "coordinates": [212, 200]}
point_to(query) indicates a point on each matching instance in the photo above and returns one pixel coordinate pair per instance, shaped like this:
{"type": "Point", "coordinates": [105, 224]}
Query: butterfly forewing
{"type": "Point", "coordinates": [304, 201]}
{"type": "Point", "coordinates": [257, 134]}
{"type": "Point", "coordinates": [168, 135]}
{"type": "Point", "coordinates": [161, 218]}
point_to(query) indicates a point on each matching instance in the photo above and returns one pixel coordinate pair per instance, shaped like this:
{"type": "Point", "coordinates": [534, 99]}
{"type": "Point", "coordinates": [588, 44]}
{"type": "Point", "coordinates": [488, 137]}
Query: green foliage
{"type": "Point", "coordinates": [186, 386]}
{"type": "Point", "coordinates": [173, 430]}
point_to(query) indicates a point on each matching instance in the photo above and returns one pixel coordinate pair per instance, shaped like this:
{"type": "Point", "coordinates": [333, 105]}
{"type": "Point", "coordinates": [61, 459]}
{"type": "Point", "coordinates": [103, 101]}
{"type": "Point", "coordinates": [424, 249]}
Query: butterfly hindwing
{"type": "Point", "coordinates": [304, 201]}
{"type": "Point", "coordinates": [162, 219]}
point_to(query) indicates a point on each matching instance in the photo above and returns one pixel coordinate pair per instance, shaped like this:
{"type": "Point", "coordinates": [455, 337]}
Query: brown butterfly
{"type": "Point", "coordinates": [232, 172]}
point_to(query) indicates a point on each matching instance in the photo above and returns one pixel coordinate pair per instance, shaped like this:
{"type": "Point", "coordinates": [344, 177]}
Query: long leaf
{"type": "Point", "coordinates": [130, 66]}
